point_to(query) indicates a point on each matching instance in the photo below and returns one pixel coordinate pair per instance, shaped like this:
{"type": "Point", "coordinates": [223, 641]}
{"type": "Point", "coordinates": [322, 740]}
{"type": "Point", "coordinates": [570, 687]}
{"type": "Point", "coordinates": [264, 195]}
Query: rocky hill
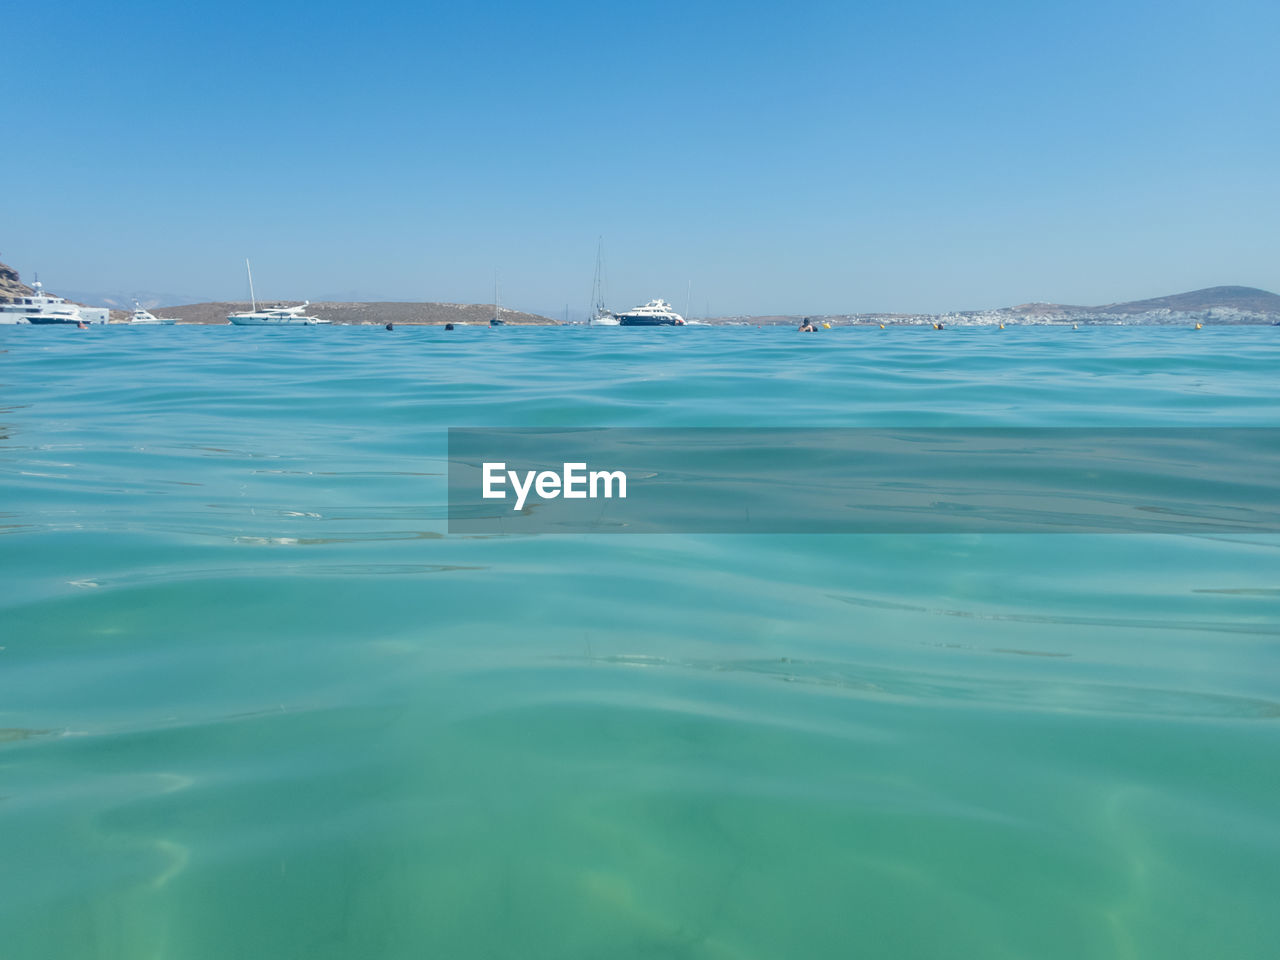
{"type": "Point", "coordinates": [1242, 299]}
{"type": "Point", "coordinates": [10, 285]}
{"type": "Point", "coordinates": [366, 313]}
{"type": "Point", "coordinates": [1219, 305]}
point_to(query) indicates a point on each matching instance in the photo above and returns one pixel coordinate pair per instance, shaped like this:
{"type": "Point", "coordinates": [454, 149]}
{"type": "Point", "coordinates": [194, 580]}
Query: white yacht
{"type": "Point", "coordinates": [655, 313]}
{"type": "Point", "coordinates": [41, 308]}
{"type": "Point", "coordinates": [141, 316]}
{"type": "Point", "coordinates": [272, 316]}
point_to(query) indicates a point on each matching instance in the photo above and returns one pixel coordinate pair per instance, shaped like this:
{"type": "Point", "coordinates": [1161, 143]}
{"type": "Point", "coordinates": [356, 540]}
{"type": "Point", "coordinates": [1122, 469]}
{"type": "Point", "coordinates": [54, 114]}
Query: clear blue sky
{"type": "Point", "coordinates": [808, 157]}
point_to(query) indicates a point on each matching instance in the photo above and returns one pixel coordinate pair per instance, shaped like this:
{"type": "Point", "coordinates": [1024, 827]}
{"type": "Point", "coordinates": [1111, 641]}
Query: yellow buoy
{"type": "Point", "coordinates": [1198, 326]}
{"type": "Point", "coordinates": [882, 326]}
{"type": "Point", "coordinates": [1002, 326]}
{"type": "Point", "coordinates": [826, 326]}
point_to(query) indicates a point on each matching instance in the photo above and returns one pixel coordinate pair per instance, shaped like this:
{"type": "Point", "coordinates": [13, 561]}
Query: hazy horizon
{"type": "Point", "coordinates": [576, 312]}
{"type": "Point", "coordinates": [816, 159]}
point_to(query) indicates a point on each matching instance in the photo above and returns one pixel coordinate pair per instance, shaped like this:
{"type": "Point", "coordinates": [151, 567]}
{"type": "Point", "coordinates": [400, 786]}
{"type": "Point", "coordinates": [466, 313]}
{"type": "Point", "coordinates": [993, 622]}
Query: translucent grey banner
{"type": "Point", "coordinates": [874, 480]}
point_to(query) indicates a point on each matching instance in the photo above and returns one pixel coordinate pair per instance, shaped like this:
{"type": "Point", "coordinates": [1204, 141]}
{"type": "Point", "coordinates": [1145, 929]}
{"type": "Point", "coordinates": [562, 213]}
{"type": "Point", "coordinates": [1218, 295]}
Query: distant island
{"type": "Point", "coordinates": [367, 312]}
{"type": "Point", "coordinates": [1213, 305]}
{"type": "Point", "coordinates": [1216, 305]}
{"type": "Point", "coordinates": [374, 312]}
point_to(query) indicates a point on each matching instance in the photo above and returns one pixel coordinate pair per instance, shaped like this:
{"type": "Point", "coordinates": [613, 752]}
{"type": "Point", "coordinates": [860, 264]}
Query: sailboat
{"type": "Point", "coordinates": [599, 315]}
{"type": "Point", "coordinates": [496, 321]}
{"type": "Point", "coordinates": [272, 316]}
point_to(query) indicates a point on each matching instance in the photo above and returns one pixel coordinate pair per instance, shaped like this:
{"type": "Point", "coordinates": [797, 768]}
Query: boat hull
{"type": "Point", "coordinates": [273, 322]}
{"type": "Point", "coordinates": [39, 320]}
{"type": "Point", "coordinates": [648, 322]}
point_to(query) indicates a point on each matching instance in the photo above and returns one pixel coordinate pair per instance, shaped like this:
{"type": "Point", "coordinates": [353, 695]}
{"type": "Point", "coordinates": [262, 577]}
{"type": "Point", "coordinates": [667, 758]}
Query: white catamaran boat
{"type": "Point", "coordinates": [655, 313]}
{"type": "Point", "coordinates": [272, 316]}
{"type": "Point", "coordinates": [41, 308]}
{"type": "Point", "coordinates": [141, 316]}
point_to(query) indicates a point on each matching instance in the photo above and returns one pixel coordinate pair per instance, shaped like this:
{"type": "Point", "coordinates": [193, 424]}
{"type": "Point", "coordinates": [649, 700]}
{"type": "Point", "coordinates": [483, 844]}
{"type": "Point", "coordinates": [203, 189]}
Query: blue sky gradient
{"type": "Point", "coordinates": [817, 157]}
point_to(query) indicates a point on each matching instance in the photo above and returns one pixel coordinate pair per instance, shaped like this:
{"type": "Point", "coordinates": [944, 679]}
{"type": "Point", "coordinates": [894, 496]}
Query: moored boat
{"type": "Point", "coordinates": [141, 316]}
{"type": "Point", "coordinates": [600, 316]}
{"type": "Point", "coordinates": [655, 313]}
{"type": "Point", "coordinates": [272, 316]}
{"type": "Point", "coordinates": [275, 316]}
{"type": "Point", "coordinates": [43, 308]}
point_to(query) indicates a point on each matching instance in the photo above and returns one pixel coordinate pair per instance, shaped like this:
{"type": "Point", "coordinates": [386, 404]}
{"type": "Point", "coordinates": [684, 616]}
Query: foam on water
{"type": "Point", "coordinates": [254, 701]}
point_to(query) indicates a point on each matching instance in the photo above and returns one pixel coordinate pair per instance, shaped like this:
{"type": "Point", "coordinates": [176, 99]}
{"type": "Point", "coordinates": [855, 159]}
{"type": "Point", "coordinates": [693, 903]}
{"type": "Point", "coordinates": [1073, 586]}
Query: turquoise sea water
{"type": "Point", "coordinates": [256, 702]}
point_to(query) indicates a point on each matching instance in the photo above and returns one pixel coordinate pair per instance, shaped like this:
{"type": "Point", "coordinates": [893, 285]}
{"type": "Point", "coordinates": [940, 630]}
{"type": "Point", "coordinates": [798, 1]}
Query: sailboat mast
{"type": "Point", "coordinates": [249, 270]}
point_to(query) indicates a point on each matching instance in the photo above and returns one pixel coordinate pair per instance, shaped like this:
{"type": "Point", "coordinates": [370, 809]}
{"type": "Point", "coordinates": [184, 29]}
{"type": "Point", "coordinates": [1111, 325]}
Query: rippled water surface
{"type": "Point", "coordinates": [256, 702]}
